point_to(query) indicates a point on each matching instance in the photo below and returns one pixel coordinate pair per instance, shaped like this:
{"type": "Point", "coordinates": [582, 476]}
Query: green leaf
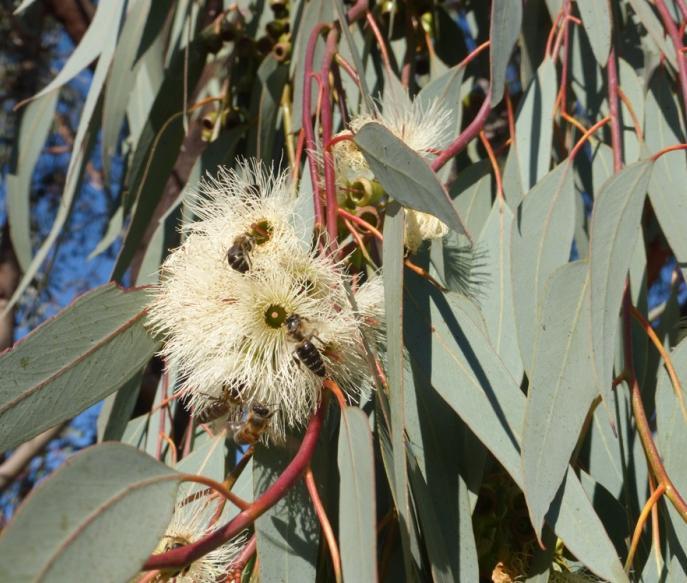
{"type": "Point", "coordinates": [596, 19]}
{"type": "Point", "coordinates": [512, 184]}
{"type": "Point", "coordinates": [103, 512]}
{"type": "Point", "coordinates": [506, 18]}
{"type": "Point", "coordinates": [288, 533]}
{"type": "Point", "coordinates": [614, 228]}
{"type": "Point", "coordinates": [672, 432]}
{"type": "Point", "coordinates": [496, 296]}
{"type": "Point", "coordinates": [633, 88]}
{"type": "Point", "coordinates": [84, 140]}
{"type": "Point", "coordinates": [158, 146]}
{"type": "Point", "coordinates": [121, 79]}
{"type": "Point", "coordinates": [405, 175]}
{"type": "Point", "coordinates": [394, 226]}
{"type": "Point", "coordinates": [207, 458]}
{"type": "Point", "coordinates": [446, 89]}
{"type": "Point", "coordinates": [117, 410]}
{"type": "Point", "coordinates": [269, 85]}
{"type": "Point", "coordinates": [561, 388]}
{"type": "Point", "coordinates": [357, 514]}
{"type": "Point", "coordinates": [541, 242]}
{"type": "Point", "coordinates": [471, 194]}
{"type": "Point", "coordinates": [103, 28]}
{"type": "Point", "coordinates": [36, 122]}
{"type": "Point", "coordinates": [534, 125]}
{"type": "Point", "coordinates": [474, 382]}
{"type": "Point", "coordinates": [655, 29]}
{"type": "Point", "coordinates": [662, 129]}
{"type": "Point", "coordinates": [86, 352]}
{"type": "Point", "coordinates": [439, 476]}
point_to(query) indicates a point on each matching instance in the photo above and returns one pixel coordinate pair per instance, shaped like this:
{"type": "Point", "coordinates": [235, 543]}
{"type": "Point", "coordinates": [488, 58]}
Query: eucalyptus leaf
{"type": "Point", "coordinates": [78, 524]}
{"type": "Point", "coordinates": [36, 121]}
{"type": "Point", "coordinates": [506, 18]}
{"type": "Point", "coordinates": [614, 229]}
{"type": "Point", "coordinates": [596, 19]}
{"type": "Point", "coordinates": [541, 242]}
{"type": "Point", "coordinates": [357, 535]}
{"type": "Point", "coordinates": [83, 354]}
{"type": "Point", "coordinates": [561, 388]}
{"type": "Point", "coordinates": [405, 175]}
{"type": "Point", "coordinates": [496, 295]}
{"type": "Point", "coordinates": [534, 125]}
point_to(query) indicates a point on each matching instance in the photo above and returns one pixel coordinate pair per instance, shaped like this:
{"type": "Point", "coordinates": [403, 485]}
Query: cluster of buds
{"type": "Point", "coordinates": [254, 319]}
{"type": "Point", "coordinates": [425, 128]}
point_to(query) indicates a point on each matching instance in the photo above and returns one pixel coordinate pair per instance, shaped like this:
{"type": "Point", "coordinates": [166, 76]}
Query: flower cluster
{"type": "Point", "coordinates": [253, 317]}
{"type": "Point", "coordinates": [193, 518]}
{"type": "Point", "coordinates": [424, 128]}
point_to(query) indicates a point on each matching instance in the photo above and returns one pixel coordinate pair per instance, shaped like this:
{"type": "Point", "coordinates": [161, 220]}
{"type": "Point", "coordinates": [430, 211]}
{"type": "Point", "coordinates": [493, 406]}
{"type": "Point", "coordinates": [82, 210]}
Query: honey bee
{"type": "Point", "coordinates": [256, 422]}
{"type": "Point", "coordinates": [238, 253]}
{"type": "Point", "coordinates": [231, 397]}
{"type": "Point", "coordinates": [305, 350]}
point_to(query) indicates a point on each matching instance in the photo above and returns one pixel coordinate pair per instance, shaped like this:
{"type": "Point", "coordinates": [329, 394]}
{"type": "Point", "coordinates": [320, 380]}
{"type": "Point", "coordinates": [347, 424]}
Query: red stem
{"type": "Point", "coordinates": [328, 159]}
{"type": "Point", "coordinates": [677, 43]}
{"type": "Point", "coordinates": [564, 60]}
{"type": "Point", "coordinates": [308, 122]}
{"type": "Point", "coordinates": [187, 554]}
{"type": "Point", "coordinates": [614, 108]}
{"type": "Point", "coordinates": [683, 7]}
{"type": "Point", "coordinates": [466, 135]}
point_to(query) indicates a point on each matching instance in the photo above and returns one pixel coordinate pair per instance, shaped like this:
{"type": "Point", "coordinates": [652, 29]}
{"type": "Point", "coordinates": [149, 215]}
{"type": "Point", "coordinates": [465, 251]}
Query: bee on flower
{"type": "Point", "coordinates": [255, 344]}
{"type": "Point", "coordinates": [193, 518]}
{"type": "Point", "coordinates": [424, 127]}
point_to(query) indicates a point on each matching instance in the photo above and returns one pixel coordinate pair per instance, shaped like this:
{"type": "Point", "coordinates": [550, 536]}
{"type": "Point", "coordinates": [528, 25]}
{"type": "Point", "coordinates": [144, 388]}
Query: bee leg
{"type": "Point", "coordinates": [297, 359]}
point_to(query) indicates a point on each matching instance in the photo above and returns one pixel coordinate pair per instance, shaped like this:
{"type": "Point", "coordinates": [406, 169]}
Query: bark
{"type": "Point", "coordinates": [74, 15]}
{"type": "Point", "coordinates": [9, 279]}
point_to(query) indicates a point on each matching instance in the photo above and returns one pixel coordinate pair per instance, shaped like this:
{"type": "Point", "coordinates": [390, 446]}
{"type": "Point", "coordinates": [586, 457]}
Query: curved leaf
{"type": "Point", "coordinates": [72, 361]}
{"type": "Point", "coordinates": [394, 226]}
{"type": "Point", "coordinates": [496, 296]}
{"type": "Point", "coordinates": [663, 128]}
{"type": "Point", "coordinates": [561, 389]}
{"type": "Point", "coordinates": [79, 523]}
{"type": "Point", "coordinates": [36, 122]}
{"type": "Point", "coordinates": [103, 27]}
{"type": "Point", "coordinates": [506, 18]}
{"type": "Point", "coordinates": [474, 382]}
{"type": "Point", "coordinates": [84, 141]}
{"type": "Point", "coordinates": [405, 175]}
{"type": "Point", "coordinates": [357, 531]}
{"type": "Point", "coordinates": [541, 242]}
{"type": "Point", "coordinates": [614, 228]}
{"type": "Point", "coordinates": [534, 125]}
{"type": "Point", "coordinates": [596, 19]}
{"type": "Point", "coordinates": [288, 533]}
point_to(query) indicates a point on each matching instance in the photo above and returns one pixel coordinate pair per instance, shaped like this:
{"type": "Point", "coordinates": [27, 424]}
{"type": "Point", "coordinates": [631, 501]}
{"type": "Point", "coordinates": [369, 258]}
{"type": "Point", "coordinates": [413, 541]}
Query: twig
{"type": "Point", "coordinates": [327, 158]}
{"type": "Point", "coordinates": [189, 553]}
{"type": "Point", "coordinates": [494, 165]}
{"type": "Point", "coordinates": [676, 38]}
{"type": "Point", "coordinates": [641, 521]}
{"type": "Point", "coordinates": [466, 135]}
{"type": "Point", "coordinates": [324, 523]}
{"type": "Point", "coordinates": [587, 134]}
{"type": "Point", "coordinates": [612, 75]}
{"type": "Point", "coordinates": [22, 455]}
{"type": "Point", "coordinates": [677, 386]}
{"type": "Point", "coordinates": [307, 120]}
